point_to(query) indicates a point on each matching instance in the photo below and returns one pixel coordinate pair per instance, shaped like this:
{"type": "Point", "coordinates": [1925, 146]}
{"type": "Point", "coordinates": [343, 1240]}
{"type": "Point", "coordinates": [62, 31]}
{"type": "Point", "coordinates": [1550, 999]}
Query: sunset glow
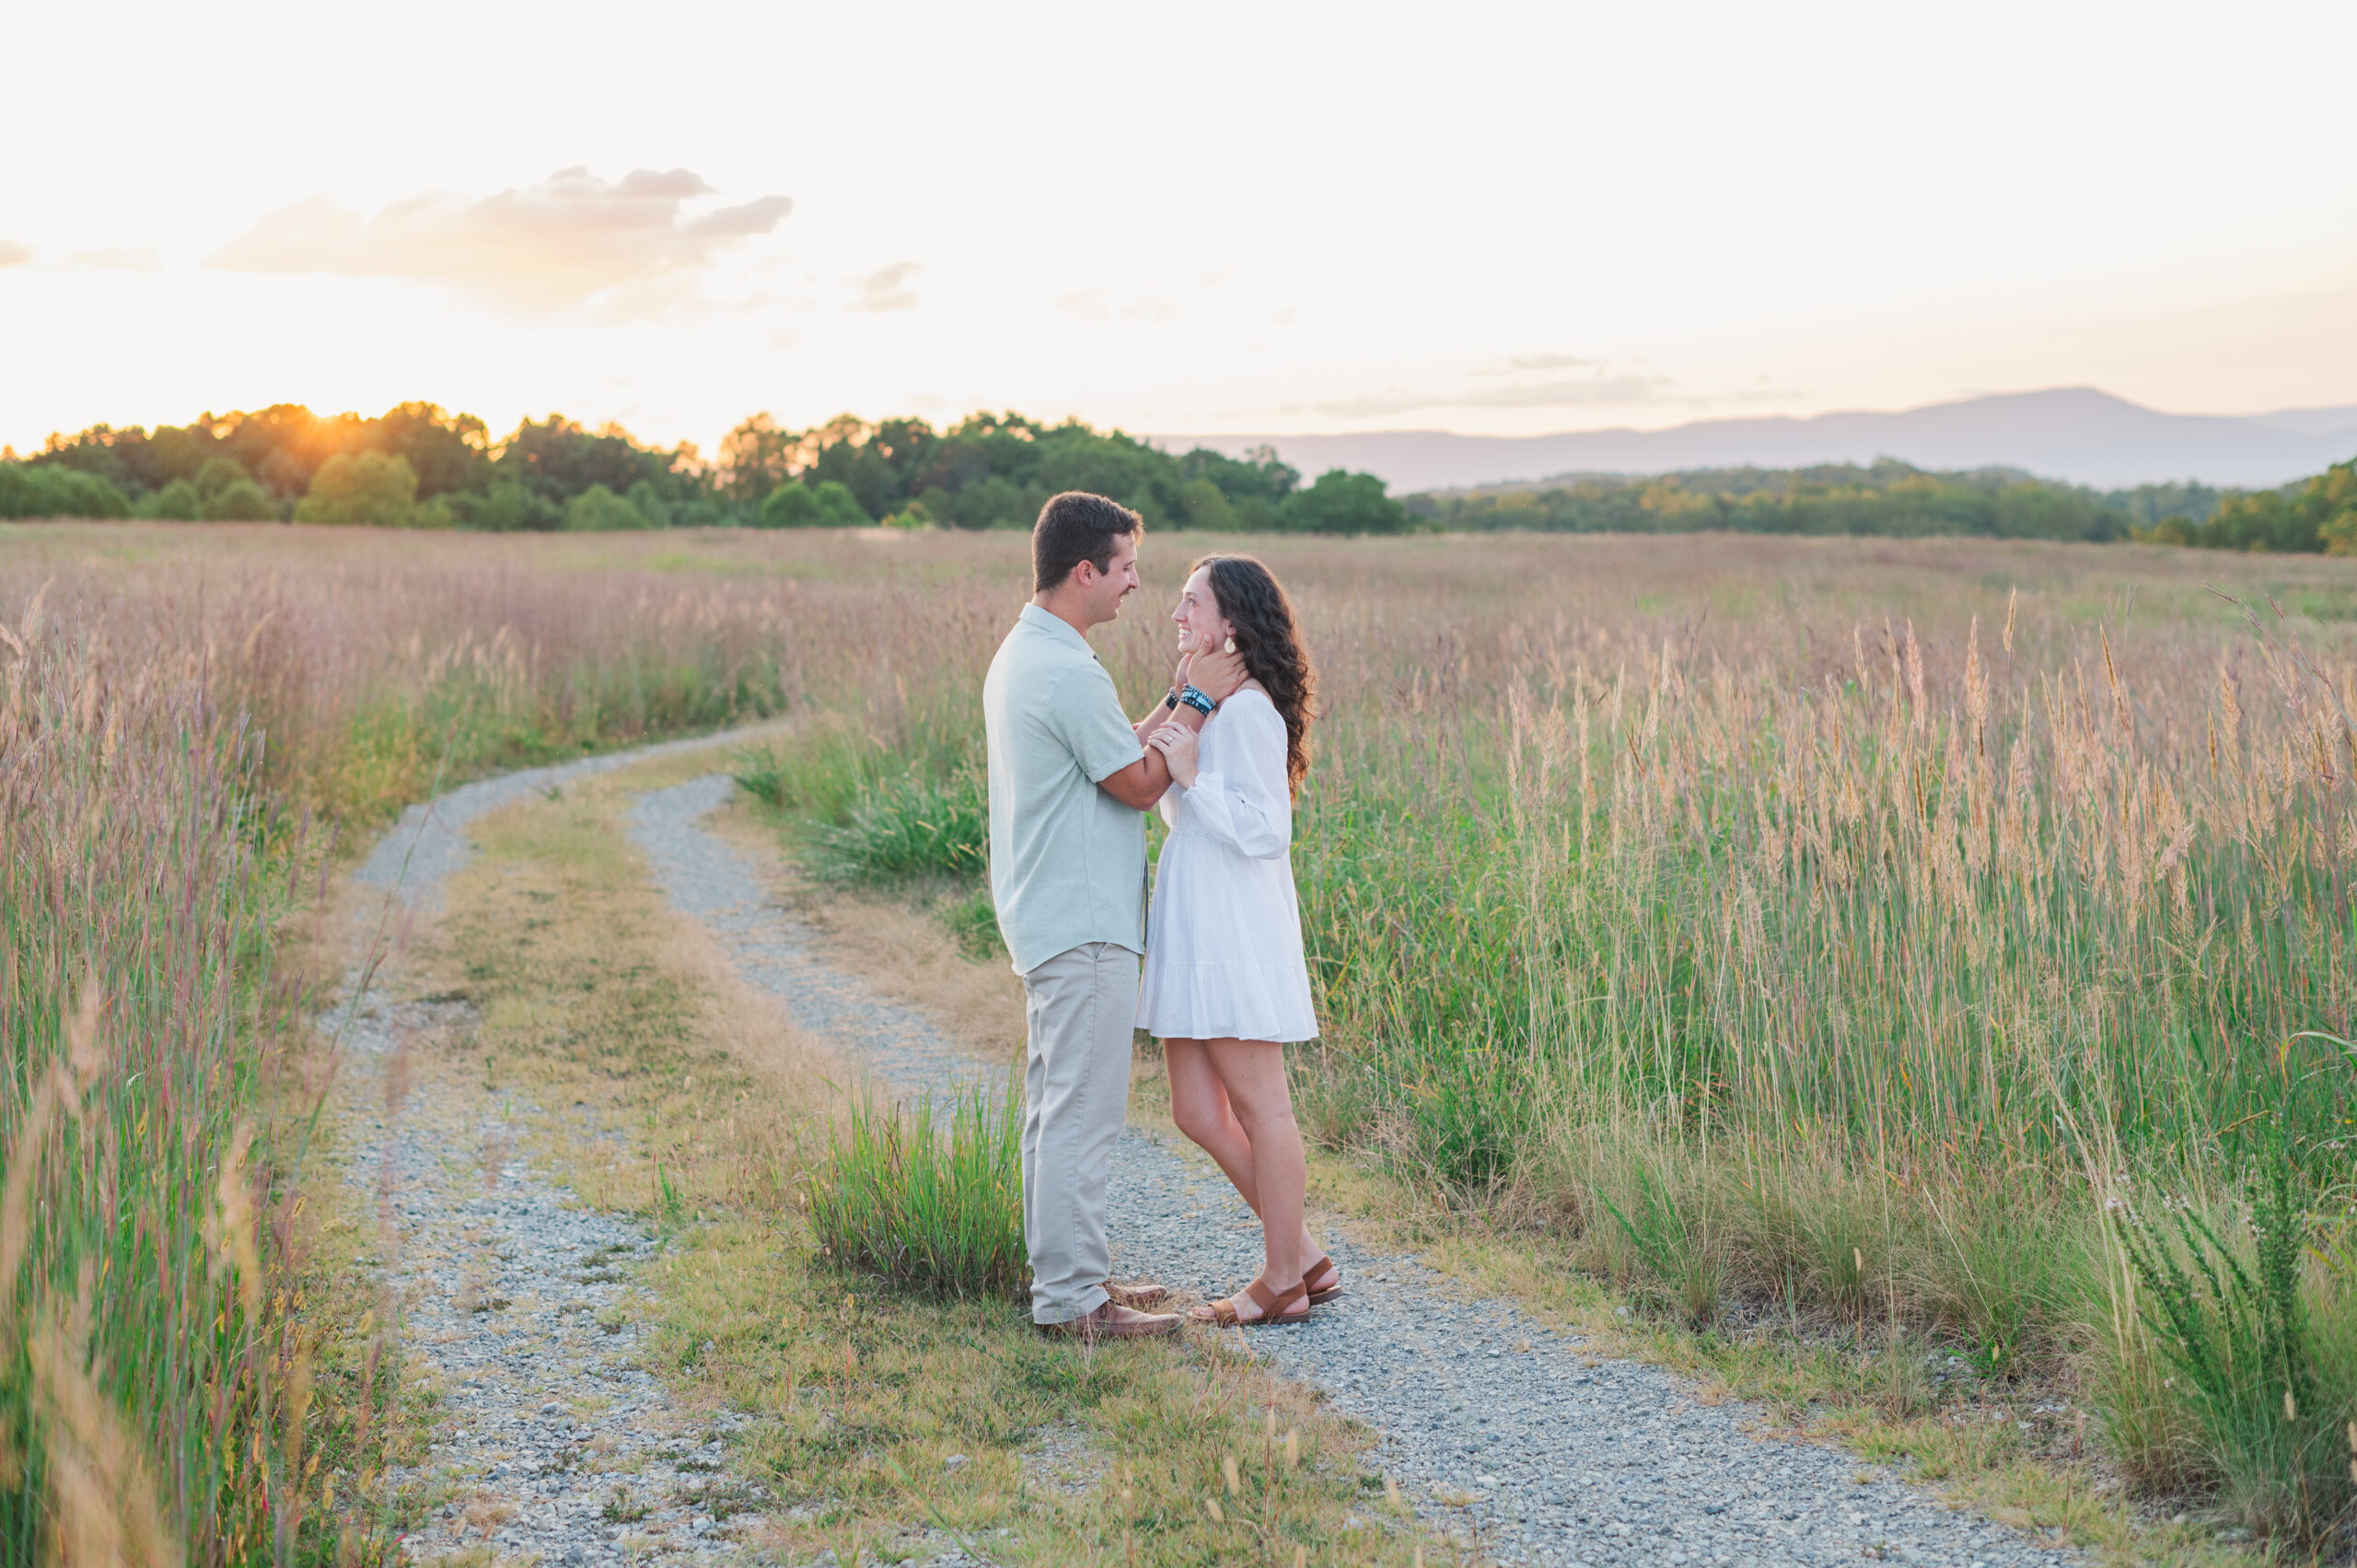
{"type": "Point", "coordinates": [1496, 219]}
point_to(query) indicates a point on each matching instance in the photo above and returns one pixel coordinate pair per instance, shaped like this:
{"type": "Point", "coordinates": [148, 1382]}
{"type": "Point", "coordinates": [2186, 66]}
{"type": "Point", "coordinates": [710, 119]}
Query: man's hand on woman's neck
{"type": "Point", "coordinates": [1143, 782]}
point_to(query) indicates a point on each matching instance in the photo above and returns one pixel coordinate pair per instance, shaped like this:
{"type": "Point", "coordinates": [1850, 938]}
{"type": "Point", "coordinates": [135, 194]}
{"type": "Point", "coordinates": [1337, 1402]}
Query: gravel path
{"type": "Point", "coordinates": [705, 877]}
{"type": "Point", "coordinates": [430, 840]}
{"type": "Point", "coordinates": [551, 1446]}
{"type": "Point", "coordinates": [1488, 1419]}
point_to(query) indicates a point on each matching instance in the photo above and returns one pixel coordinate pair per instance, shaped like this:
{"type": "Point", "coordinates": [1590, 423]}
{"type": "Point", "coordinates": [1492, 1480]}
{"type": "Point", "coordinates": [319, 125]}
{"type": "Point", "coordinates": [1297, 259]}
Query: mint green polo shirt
{"type": "Point", "coordinates": [1067, 860]}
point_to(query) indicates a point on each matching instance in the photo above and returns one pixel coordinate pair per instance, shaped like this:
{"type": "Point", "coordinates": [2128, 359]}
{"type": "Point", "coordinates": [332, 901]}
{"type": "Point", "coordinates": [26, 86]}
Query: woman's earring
{"type": "Point", "coordinates": [1230, 644]}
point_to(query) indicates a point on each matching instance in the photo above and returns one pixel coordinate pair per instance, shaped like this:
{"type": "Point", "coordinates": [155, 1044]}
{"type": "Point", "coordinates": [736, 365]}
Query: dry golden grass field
{"type": "Point", "coordinates": [1905, 942]}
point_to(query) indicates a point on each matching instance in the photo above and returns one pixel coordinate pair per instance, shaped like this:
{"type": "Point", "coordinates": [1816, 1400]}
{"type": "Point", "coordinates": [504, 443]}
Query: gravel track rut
{"type": "Point", "coordinates": [1494, 1425]}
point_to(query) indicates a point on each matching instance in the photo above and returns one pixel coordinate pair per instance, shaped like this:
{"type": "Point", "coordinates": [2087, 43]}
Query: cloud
{"type": "Point", "coordinates": [119, 259]}
{"type": "Point", "coordinates": [886, 288]}
{"type": "Point", "coordinates": [1525, 364]}
{"type": "Point", "coordinates": [13, 254]}
{"type": "Point", "coordinates": [1593, 392]}
{"type": "Point", "coordinates": [557, 244]}
{"type": "Point", "coordinates": [1096, 304]}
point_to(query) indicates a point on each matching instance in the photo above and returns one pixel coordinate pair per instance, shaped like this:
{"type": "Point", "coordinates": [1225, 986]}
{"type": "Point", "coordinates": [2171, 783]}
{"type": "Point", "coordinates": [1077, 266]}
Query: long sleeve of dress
{"type": "Point", "coordinates": [1246, 805]}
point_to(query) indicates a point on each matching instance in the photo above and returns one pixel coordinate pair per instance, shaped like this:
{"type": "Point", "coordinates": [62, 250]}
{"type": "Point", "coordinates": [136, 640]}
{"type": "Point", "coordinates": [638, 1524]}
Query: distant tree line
{"type": "Point", "coordinates": [1887, 497]}
{"type": "Point", "coordinates": [416, 465]}
{"type": "Point", "coordinates": [2318, 513]}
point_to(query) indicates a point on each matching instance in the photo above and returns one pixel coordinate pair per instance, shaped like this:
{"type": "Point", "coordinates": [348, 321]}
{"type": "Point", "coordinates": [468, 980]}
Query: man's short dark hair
{"type": "Point", "coordinates": [1074, 528]}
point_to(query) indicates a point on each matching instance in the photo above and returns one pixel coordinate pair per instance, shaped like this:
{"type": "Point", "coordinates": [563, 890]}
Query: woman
{"type": "Point", "coordinates": [1225, 984]}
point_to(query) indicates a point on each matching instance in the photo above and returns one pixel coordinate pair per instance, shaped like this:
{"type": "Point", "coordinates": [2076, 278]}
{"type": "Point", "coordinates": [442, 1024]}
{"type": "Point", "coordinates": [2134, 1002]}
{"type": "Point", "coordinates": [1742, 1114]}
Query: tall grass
{"type": "Point", "coordinates": [927, 1199]}
{"type": "Point", "coordinates": [168, 725]}
{"type": "Point", "coordinates": [1782, 922]}
{"type": "Point", "coordinates": [151, 1390]}
{"type": "Point", "coordinates": [1839, 925]}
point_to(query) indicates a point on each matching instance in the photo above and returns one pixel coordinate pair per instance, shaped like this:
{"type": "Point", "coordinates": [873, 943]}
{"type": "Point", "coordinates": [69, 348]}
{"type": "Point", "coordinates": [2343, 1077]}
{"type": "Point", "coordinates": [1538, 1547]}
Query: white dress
{"type": "Point", "coordinates": [1222, 939]}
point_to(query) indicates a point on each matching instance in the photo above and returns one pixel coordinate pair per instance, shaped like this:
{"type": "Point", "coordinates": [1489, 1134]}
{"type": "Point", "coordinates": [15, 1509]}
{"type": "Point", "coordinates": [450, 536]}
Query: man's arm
{"type": "Point", "coordinates": [1142, 784]}
{"type": "Point", "coordinates": [1155, 717]}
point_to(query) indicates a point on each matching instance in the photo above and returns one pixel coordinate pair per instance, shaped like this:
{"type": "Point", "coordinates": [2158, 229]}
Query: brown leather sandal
{"type": "Point", "coordinates": [1319, 1295]}
{"type": "Point", "coordinates": [1276, 1306]}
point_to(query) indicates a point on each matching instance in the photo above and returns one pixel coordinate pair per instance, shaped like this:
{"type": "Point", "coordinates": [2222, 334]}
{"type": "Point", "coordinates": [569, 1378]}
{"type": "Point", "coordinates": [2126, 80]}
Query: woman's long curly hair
{"type": "Point", "coordinates": [1268, 638]}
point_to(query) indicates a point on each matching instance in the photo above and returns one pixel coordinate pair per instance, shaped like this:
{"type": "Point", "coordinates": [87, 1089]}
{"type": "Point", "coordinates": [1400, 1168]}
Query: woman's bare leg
{"type": "Point", "coordinates": [1200, 1105]}
{"type": "Point", "coordinates": [1253, 1073]}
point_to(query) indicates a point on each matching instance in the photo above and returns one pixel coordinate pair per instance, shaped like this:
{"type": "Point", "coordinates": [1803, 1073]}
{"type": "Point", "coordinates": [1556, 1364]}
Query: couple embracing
{"type": "Point", "coordinates": [1224, 985]}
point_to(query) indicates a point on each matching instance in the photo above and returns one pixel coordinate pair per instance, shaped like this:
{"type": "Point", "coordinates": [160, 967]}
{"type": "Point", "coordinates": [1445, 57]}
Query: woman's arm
{"type": "Point", "coordinates": [1247, 804]}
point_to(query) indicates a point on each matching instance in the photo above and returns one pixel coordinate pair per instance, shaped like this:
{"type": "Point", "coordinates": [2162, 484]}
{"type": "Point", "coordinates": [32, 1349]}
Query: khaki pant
{"type": "Point", "coordinates": [1079, 1005]}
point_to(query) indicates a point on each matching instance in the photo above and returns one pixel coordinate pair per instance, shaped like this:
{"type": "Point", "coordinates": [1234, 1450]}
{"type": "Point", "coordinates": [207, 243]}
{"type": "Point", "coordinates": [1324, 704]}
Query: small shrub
{"type": "Point", "coordinates": [821, 774]}
{"type": "Point", "coordinates": [2237, 1330]}
{"type": "Point", "coordinates": [177, 501]}
{"type": "Point", "coordinates": [909, 826]}
{"type": "Point", "coordinates": [219, 472]}
{"type": "Point", "coordinates": [2007, 1271]}
{"type": "Point", "coordinates": [241, 501]}
{"type": "Point", "coordinates": [839, 508]}
{"type": "Point", "coordinates": [360, 487]}
{"type": "Point", "coordinates": [505, 507]}
{"type": "Point", "coordinates": [1467, 1116]}
{"type": "Point", "coordinates": [649, 503]}
{"type": "Point", "coordinates": [761, 773]}
{"type": "Point", "coordinates": [53, 490]}
{"type": "Point", "coordinates": [600, 510]}
{"type": "Point", "coordinates": [791, 505]}
{"type": "Point", "coordinates": [925, 1202]}
{"type": "Point", "coordinates": [972, 922]}
{"type": "Point", "coordinates": [1679, 1266]}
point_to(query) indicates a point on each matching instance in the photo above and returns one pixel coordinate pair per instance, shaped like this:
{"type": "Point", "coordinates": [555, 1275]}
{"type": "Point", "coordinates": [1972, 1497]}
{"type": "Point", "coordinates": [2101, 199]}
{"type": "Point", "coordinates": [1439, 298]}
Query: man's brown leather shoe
{"type": "Point", "coordinates": [1142, 1294]}
{"type": "Point", "coordinates": [1112, 1320]}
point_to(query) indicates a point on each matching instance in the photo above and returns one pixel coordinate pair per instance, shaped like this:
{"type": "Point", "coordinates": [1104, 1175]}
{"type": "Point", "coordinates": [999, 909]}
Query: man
{"type": "Point", "coordinates": [1068, 781]}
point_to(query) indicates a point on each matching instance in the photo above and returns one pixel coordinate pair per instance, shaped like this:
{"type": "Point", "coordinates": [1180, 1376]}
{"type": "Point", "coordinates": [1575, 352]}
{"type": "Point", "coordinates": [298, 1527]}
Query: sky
{"type": "Point", "coordinates": [1210, 218]}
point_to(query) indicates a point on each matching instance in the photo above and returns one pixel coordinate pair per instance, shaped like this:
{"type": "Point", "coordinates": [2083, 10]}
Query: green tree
{"type": "Point", "coordinates": [241, 501]}
{"type": "Point", "coordinates": [709, 511]}
{"type": "Point", "coordinates": [41, 489]}
{"type": "Point", "coordinates": [285, 444]}
{"type": "Point", "coordinates": [600, 510]}
{"type": "Point", "coordinates": [505, 506]}
{"type": "Point", "coordinates": [179, 501]}
{"type": "Point", "coordinates": [218, 474]}
{"type": "Point", "coordinates": [367, 488]}
{"type": "Point", "coordinates": [992, 501]}
{"type": "Point", "coordinates": [1346, 503]}
{"type": "Point", "coordinates": [1260, 474]}
{"type": "Point", "coordinates": [791, 505]}
{"type": "Point", "coordinates": [2334, 496]}
{"type": "Point", "coordinates": [839, 508]}
{"type": "Point", "coordinates": [558, 458]}
{"type": "Point", "coordinates": [757, 456]}
{"type": "Point", "coordinates": [651, 505]}
{"type": "Point", "coordinates": [1204, 505]}
{"type": "Point", "coordinates": [450, 452]}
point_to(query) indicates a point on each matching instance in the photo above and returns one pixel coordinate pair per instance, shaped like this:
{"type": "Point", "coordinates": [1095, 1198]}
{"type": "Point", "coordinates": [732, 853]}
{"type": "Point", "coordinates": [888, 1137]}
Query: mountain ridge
{"type": "Point", "coordinates": [2078, 434]}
